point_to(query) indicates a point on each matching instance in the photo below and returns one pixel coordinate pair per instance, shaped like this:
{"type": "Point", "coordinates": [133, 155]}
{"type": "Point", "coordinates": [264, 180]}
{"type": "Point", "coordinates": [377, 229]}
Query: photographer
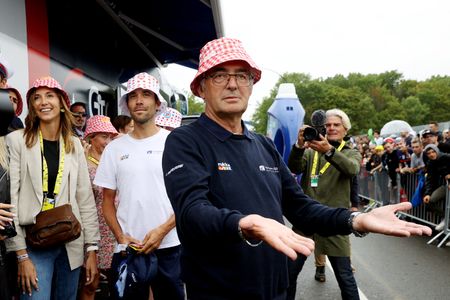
{"type": "Point", "coordinates": [328, 166]}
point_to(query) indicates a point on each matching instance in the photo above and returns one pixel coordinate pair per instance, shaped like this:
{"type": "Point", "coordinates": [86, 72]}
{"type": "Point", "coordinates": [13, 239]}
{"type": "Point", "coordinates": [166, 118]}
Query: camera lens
{"type": "Point", "coordinates": [310, 134]}
{"type": "Point", "coordinates": [9, 231]}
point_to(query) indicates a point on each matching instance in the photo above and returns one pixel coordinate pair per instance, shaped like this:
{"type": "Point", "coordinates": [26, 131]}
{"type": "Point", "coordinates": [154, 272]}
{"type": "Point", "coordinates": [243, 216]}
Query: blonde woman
{"type": "Point", "coordinates": [48, 169]}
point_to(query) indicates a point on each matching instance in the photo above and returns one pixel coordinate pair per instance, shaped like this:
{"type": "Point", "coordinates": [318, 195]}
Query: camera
{"type": "Point", "coordinates": [318, 119]}
{"type": "Point", "coordinates": [9, 231]}
{"type": "Point", "coordinates": [313, 133]}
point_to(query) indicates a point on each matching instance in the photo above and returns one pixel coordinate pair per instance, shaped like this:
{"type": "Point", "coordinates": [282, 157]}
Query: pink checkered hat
{"type": "Point", "coordinates": [170, 118]}
{"type": "Point", "coordinates": [51, 83]}
{"type": "Point", "coordinates": [142, 81]}
{"type": "Point", "coordinates": [19, 98]}
{"type": "Point", "coordinates": [219, 51]}
{"type": "Point", "coordinates": [99, 123]}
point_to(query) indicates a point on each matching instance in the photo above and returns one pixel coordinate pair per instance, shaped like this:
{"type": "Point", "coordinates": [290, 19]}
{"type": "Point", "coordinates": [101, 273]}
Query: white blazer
{"type": "Point", "coordinates": [27, 194]}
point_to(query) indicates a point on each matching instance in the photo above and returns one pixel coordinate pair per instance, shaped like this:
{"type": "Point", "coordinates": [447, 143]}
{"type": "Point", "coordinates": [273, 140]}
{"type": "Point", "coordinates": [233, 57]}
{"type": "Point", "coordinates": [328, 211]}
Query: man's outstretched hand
{"type": "Point", "coordinates": [276, 235]}
{"type": "Point", "coordinates": [383, 220]}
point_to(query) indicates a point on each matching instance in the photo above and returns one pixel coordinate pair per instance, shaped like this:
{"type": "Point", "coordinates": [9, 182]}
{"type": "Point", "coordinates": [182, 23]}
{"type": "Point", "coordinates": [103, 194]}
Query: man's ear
{"type": "Point", "coordinates": [201, 91]}
{"type": "Point", "coordinates": [3, 82]}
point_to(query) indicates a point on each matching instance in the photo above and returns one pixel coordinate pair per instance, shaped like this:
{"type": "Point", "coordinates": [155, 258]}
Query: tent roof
{"type": "Point", "coordinates": [115, 39]}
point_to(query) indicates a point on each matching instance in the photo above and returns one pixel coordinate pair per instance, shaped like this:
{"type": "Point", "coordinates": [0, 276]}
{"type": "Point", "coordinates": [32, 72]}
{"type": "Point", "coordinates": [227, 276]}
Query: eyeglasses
{"type": "Point", "coordinates": [79, 115]}
{"type": "Point", "coordinates": [222, 78]}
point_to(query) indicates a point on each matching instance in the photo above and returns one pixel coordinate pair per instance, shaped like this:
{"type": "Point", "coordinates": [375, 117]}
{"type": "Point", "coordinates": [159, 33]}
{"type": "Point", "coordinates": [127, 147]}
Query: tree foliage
{"type": "Point", "coordinates": [370, 100]}
{"type": "Point", "coordinates": [195, 106]}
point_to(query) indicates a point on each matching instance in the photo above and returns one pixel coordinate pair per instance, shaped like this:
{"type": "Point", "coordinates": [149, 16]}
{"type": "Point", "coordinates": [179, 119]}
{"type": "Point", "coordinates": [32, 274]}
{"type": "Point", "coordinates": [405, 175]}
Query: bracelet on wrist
{"type": "Point", "coordinates": [22, 257]}
{"type": "Point", "coordinates": [241, 235]}
{"type": "Point", "coordinates": [92, 248]}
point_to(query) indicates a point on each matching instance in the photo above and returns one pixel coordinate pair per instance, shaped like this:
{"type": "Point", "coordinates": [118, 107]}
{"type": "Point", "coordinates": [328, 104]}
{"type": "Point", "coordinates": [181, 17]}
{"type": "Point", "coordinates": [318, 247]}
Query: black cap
{"type": "Point", "coordinates": [428, 131]}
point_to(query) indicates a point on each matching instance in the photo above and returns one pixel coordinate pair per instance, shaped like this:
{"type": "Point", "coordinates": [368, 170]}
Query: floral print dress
{"type": "Point", "coordinates": [107, 241]}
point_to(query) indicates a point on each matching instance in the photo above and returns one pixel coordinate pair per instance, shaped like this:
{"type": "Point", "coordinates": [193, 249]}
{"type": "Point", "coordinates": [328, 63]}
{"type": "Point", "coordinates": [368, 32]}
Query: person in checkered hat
{"type": "Point", "coordinates": [6, 71]}
{"type": "Point", "coordinates": [230, 189]}
{"type": "Point", "coordinates": [131, 169]}
{"type": "Point", "coordinates": [99, 132]}
{"type": "Point", "coordinates": [48, 169]}
{"type": "Point", "coordinates": [16, 100]}
{"type": "Point", "coordinates": [169, 120]}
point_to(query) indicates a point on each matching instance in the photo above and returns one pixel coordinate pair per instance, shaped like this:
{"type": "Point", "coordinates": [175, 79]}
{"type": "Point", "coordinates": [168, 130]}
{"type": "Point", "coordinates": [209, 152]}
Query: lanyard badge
{"type": "Point", "coordinates": [49, 203]}
{"type": "Point", "coordinates": [315, 177]}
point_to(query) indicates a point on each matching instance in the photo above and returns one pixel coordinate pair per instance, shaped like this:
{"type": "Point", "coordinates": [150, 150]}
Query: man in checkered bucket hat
{"type": "Point", "coordinates": [230, 189]}
{"type": "Point", "coordinates": [144, 82]}
{"type": "Point", "coordinates": [131, 167]}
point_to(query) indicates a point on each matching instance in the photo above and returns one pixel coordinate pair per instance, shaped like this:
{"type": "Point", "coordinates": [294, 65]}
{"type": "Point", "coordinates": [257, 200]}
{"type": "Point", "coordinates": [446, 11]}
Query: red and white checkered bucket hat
{"type": "Point", "coordinates": [170, 118]}
{"type": "Point", "coordinates": [19, 99]}
{"type": "Point", "coordinates": [143, 81]}
{"type": "Point", "coordinates": [99, 123]}
{"type": "Point", "coordinates": [51, 83]}
{"type": "Point", "coordinates": [219, 51]}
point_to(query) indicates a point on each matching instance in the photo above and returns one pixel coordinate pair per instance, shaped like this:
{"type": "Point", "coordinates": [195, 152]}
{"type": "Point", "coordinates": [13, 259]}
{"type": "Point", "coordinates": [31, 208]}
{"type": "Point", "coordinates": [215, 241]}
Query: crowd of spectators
{"type": "Point", "coordinates": [424, 153]}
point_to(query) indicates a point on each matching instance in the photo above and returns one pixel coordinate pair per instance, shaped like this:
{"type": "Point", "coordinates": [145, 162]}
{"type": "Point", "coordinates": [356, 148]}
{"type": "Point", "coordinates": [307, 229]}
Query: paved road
{"type": "Point", "coordinates": [387, 268]}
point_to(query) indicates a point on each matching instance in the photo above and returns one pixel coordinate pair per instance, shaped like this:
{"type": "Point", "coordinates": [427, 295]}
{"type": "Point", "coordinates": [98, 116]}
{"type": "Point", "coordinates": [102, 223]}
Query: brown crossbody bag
{"type": "Point", "coordinates": [53, 227]}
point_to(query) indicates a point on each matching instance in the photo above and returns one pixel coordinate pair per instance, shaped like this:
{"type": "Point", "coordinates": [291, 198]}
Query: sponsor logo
{"type": "Point", "coordinates": [223, 166]}
{"type": "Point", "coordinates": [268, 169]}
{"type": "Point", "coordinates": [126, 156]}
{"type": "Point", "coordinates": [174, 168]}
{"type": "Point", "coordinates": [154, 152]}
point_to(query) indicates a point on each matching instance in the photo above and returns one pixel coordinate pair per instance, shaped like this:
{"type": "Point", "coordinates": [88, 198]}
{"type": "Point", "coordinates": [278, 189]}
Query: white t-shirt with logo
{"type": "Point", "coordinates": [133, 167]}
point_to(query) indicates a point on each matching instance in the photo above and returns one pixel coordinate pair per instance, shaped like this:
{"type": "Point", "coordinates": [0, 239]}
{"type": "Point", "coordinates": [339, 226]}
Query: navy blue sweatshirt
{"type": "Point", "coordinates": [214, 178]}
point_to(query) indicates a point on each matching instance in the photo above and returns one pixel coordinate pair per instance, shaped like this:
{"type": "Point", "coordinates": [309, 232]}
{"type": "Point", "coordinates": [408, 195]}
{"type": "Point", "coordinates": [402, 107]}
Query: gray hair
{"type": "Point", "coordinates": [335, 112]}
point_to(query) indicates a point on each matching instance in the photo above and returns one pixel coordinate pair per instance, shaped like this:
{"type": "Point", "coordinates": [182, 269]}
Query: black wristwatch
{"type": "Point", "coordinates": [329, 154]}
{"type": "Point", "coordinates": [353, 215]}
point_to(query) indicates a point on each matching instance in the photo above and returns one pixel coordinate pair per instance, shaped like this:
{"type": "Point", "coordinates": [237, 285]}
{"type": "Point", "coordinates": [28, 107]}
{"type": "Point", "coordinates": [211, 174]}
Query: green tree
{"type": "Point", "coordinates": [370, 100]}
{"type": "Point", "coordinates": [195, 107]}
{"type": "Point", "coordinates": [415, 111]}
{"type": "Point", "coordinates": [435, 94]}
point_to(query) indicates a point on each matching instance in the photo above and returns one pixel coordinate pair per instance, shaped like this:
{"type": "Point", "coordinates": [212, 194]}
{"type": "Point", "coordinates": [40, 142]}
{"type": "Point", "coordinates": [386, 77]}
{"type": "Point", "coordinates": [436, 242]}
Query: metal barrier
{"type": "Point", "coordinates": [446, 231]}
{"type": "Point", "coordinates": [377, 190]}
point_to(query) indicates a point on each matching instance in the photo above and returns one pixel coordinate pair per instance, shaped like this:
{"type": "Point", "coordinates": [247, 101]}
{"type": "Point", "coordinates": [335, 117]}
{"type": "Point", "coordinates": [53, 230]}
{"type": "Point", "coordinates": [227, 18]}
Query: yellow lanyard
{"type": "Point", "coordinates": [325, 167]}
{"type": "Point", "coordinates": [94, 160]}
{"type": "Point", "coordinates": [58, 181]}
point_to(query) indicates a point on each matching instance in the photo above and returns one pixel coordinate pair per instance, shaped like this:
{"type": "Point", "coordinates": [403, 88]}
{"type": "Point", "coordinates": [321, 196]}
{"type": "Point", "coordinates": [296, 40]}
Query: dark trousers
{"type": "Point", "coordinates": [344, 275]}
{"type": "Point", "coordinates": [167, 283]}
{"type": "Point", "coordinates": [294, 268]}
{"type": "Point", "coordinates": [342, 270]}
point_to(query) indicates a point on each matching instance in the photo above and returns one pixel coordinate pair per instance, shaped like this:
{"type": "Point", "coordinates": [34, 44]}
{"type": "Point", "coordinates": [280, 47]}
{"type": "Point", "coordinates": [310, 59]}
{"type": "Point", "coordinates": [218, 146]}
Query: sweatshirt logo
{"type": "Point", "coordinates": [268, 169]}
{"type": "Point", "coordinates": [223, 166]}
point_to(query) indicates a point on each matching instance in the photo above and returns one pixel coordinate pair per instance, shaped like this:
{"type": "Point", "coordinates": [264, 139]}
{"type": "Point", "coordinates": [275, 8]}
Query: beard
{"type": "Point", "coordinates": [141, 118]}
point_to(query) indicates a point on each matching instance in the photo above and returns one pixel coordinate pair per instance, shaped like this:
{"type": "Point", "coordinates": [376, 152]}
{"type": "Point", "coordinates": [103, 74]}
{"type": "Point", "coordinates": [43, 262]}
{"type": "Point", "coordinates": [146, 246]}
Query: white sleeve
{"type": "Point", "coordinates": [106, 175]}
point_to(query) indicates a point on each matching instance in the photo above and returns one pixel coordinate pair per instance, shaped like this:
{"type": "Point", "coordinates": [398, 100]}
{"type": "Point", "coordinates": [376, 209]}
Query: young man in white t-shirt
{"type": "Point", "coordinates": [131, 167]}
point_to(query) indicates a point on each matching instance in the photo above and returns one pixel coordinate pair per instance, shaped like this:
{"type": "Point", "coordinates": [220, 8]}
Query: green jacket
{"type": "Point", "coordinates": [333, 188]}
